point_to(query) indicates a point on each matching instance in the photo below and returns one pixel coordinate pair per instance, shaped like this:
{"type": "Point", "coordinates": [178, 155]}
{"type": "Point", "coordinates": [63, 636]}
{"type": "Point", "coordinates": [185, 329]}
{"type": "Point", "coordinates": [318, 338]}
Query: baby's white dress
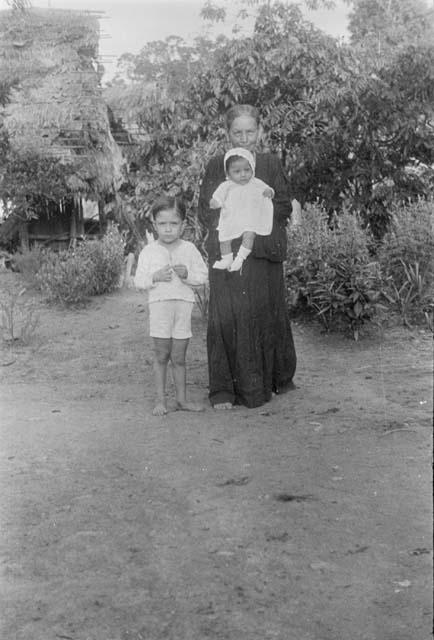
{"type": "Point", "coordinates": [243, 208]}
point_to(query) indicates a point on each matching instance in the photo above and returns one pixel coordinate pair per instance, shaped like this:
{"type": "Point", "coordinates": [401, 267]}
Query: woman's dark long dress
{"type": "Point", "coordinates": [250, 346]}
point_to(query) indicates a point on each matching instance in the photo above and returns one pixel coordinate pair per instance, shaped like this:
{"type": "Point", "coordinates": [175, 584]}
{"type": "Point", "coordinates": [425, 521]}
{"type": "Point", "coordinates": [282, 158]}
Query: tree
{"type": "Point", "coordinates": [345, 131]}
{"type": "Point", "coordinates": [387, 25]}
{"type": "Point", "coordinates": [19, 5]}
{"type": "Point", "coordinates": [34, 184]}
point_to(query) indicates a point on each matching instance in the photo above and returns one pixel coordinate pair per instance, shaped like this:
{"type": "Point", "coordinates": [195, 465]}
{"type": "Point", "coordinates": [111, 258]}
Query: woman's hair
{"type": "Point", "coordinates": [165, 203]}
{"type": "Point", "coordinates": [238, 110]}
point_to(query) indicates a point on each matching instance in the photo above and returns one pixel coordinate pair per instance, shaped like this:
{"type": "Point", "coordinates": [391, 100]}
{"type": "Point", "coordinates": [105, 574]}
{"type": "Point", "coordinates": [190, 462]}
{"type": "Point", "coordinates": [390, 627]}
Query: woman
{"type": "Point", "coordinates": [251, 352]}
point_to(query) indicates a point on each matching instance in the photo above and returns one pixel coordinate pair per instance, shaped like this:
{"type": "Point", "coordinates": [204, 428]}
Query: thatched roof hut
{"type": "Point", "coordinates": [55, 108]}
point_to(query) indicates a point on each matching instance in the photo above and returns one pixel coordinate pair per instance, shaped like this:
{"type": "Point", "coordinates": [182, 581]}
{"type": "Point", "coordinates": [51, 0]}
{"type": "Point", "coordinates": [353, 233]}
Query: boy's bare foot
{"type": "Point", "coordinates": [159, 409]}
{"type": "Point", "coordinates": [223, 406]}
{"type": "Point", "coordinates": [189, 406]}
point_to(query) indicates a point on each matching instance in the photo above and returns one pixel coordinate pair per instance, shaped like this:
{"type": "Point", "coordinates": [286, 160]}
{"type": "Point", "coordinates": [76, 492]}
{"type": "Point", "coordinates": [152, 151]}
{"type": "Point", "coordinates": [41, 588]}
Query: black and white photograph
{"type": "Point", "coordinates": [216, 319]}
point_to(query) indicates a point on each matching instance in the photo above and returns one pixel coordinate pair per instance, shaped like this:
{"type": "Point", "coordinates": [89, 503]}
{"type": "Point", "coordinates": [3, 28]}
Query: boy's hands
{"type": "Point", "coordinates": [165, 274]}
{"type": "Point", "coordinates": [268, 192]}
{"type": "Point", "coordinates": [180, 270]}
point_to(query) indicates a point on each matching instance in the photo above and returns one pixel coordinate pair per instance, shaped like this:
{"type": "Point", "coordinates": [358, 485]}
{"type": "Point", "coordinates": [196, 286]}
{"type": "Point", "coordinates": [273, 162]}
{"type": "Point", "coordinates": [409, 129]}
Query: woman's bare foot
{"type": "Point", "coordinates": [223, 406]}
{"type": "Point", "coordinates": [159, 409]}
{"type": "Point", "coordinates": [189, 406]}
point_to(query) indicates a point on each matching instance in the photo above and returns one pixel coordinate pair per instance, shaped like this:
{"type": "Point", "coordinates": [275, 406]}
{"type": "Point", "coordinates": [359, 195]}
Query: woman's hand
{"type": "Point", "coordinates": [181, 271]}
{"type": "Point", "coordinates": [164, 274]}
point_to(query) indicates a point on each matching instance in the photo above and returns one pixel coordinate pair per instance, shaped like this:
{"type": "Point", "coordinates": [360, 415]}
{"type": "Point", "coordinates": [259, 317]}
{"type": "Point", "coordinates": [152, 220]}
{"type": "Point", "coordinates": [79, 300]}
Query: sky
{"type": "Point", "coordinates": [126, 25]}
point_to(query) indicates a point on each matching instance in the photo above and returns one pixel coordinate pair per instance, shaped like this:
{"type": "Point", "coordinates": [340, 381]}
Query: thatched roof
{"type": "Point", "coordinates": [127, 103]}
{"type": "Point", "coordinates": [55, 106]}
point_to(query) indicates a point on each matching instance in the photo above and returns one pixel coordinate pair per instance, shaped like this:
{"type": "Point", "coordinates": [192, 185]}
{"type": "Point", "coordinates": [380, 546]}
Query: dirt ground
{"type": "Point", "coordinates": [309, 518]}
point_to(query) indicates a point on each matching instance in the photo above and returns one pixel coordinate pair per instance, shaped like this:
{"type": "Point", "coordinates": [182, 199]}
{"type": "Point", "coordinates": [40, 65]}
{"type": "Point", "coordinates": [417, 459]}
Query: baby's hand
{"type": "Point", "coordinates": [213, 204]}
{"type": "Point", "coordinates": [268, 192]}
{"type": "Point", "coordinates": [180, 270]}
{"type": "Point", "coordinates": [164, 274]}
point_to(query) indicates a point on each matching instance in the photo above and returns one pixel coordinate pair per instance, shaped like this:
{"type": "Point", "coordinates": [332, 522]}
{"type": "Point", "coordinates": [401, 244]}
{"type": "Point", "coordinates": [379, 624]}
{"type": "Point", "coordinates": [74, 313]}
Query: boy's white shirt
{"type": "Point", "coordinates": [154, 257]}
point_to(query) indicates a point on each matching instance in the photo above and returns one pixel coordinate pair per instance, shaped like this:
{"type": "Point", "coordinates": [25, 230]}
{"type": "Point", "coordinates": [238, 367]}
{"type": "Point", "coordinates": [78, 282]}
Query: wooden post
{"type": "Point", "coordinates": [73, 226]}
{"type": "Point", "coordinates": [24, 236]}
{"type": "Point", "coordinates": [80, 230]}
{"type": "Point", "coordinates": [102, 216]}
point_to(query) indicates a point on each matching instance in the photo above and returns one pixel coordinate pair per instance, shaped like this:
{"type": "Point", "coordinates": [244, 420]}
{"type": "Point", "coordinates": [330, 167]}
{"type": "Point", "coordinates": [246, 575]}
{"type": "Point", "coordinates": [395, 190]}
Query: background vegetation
{"type": "Point", "coordinates": [352, 122]}
{"type": "Point", "coordinates": [336, 271]}
{"type": "Point", "coordinates": [70, 277]}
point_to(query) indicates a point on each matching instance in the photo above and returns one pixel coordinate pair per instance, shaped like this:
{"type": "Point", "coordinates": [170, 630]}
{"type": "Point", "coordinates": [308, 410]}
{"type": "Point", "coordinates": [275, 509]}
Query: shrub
{"type": "Point", "coordinates": [66, 277]}
{"type": "Point", "coordinates": [92, 268]}
{"type": "Point", "coordinates": [107, 258]}
{"type": "Point", "coordinates": [306, 244]}
{"type": "Point", "coordinates": [330, 271]}
{"type": "Point", "coordinates": [18, 318]}
{"type": "Point", "coordinates": [28, 262]}
{"type": "Point", "coordinates": [406, 258]}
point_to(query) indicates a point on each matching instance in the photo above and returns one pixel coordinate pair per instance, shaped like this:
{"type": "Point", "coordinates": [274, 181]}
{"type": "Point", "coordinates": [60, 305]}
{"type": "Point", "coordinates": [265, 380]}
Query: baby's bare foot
{"type": "Point", "coordinates": [237, 264]}
{"type": "Point", "coordinates": [159, 409]}
{"type": "Point", "coordinates": [189, 406]}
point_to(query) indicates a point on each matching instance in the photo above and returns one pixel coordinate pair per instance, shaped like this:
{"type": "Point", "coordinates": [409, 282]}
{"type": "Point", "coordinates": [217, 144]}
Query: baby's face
{"type": "Point", "coordinates": [240, 171]}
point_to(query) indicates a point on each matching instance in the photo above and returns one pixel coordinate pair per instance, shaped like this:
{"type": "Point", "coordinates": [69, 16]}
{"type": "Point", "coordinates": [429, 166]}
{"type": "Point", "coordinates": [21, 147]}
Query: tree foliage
{"type": "Point", "coordinates": [391, 24]}
{"type": "Point", "coordinates": [346, 130]}
{"type": "Point", "coordinates": [19, 5]}
{"type": "Point", "coordinates": [33, 184]}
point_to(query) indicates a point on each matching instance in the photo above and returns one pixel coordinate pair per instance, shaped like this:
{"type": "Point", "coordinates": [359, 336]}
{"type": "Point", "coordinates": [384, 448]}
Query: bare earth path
{"type": "Point", "coordinates": [306, 519]}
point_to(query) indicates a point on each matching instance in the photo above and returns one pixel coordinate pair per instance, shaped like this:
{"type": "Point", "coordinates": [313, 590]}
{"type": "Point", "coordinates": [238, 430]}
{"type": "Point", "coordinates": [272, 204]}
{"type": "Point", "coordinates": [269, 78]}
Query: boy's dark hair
{"type": "Point", "coordinates": [169, 202]}
{"type": "Point", "coordinates": [231, 160]}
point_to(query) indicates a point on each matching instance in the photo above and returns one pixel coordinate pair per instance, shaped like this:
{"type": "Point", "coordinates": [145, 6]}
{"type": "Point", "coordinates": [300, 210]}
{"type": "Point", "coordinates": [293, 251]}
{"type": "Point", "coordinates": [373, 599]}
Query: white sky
{"type": "Point", "coordinates": [126, 25]}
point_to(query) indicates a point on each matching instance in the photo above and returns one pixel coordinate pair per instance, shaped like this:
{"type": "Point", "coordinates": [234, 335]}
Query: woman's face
{"type": "Point", "coordinates": [244, 132]}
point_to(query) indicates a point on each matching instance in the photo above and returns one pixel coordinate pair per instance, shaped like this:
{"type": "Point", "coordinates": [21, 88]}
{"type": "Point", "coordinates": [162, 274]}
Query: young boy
{"type": "Point", "coordinates": [168, 268]}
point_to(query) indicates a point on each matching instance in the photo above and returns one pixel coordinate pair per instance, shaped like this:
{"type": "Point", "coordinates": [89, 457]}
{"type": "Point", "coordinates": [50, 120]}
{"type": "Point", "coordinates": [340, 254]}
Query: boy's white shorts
{"type": "Point", "coordinates": [170, 319]}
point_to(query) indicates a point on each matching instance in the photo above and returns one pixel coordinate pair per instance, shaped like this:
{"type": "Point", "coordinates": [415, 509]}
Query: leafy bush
{"type": "Point", "coordinates": [66, 277]}
{"type": "Point", "coordinates": [107, 258]}
{"type": "Point", "coordinates": [18, 316]}
{"type": "Point", "coordinates": [306, 244]}
{"type": "Point", "coordinates": [406, 257]}
{"type": "Point", "coordinates": [92, 268]}
{"type": "Point", "coordinates": [28, 262]}
{"type": "Point", "coordinates": [330, 271]}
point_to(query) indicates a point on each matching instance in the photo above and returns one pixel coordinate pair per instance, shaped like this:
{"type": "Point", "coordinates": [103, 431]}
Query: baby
{"type": "Point", "coordinates": [246, 208]}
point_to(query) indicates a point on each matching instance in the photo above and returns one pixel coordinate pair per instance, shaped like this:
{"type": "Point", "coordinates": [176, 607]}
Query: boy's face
{"type": "Point", "coordinates": [240, 171]}
{"type": "Point", "coordinates": [168, 226]}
